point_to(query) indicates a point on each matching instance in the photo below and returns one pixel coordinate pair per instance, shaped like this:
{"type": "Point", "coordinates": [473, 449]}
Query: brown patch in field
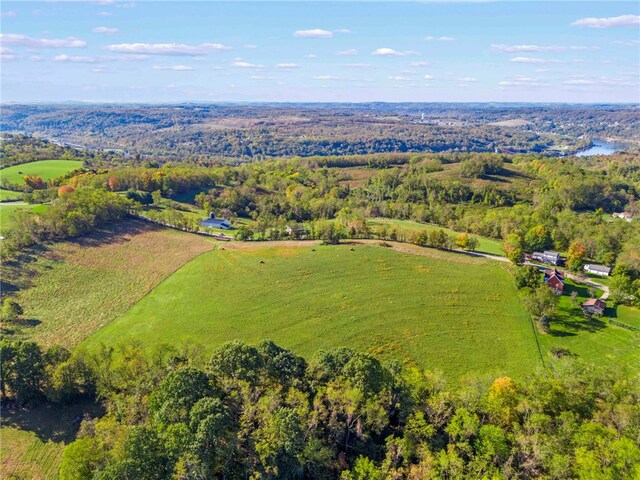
{"type": "Point", "coordinates": [455, 257]}
{"type": "Point", "coordinates": [97, 278]}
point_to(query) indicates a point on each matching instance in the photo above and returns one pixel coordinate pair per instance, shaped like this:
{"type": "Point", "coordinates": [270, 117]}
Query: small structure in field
{"type": "Point", "coordinates": [600, 270]}
{"type": "Point", "coordinates": [593, 306]}
{"type": "Point", "coordinates": [555, 280]}
{"type": "Point", "coordinates": [296, 231]}
{"type": "Point", "coordinates": [213, 222]}
{"type": "Point", "coordinates": [547, 257]}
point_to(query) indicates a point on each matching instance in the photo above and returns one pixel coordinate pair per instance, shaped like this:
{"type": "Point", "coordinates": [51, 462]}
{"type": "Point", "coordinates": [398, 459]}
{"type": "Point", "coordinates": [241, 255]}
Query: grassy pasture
{"type": "Point", "coordinates": [406, 228]}
{"type": "Point", "coordinates": [595, 340]}
{"type": "Point", "coordinates": [6, 195]}
{"type": "Point", "coordinates": [8, 210]}
{"type": "Point", "coordinates": [32, 441]}
{"type": "Point", "coordinates": [440, 310]}
{"type": "Point", "coordinates": [77, 287]}
{"type": "Point", "coordinates": [45, 169]}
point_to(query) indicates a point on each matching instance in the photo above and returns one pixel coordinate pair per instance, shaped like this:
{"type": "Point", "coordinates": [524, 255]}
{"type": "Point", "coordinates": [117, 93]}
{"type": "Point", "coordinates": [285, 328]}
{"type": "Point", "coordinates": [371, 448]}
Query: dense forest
{"type": "Point", "coordinates": [202, 132]}
{"type": "Point", "coordinates": [263, 412]}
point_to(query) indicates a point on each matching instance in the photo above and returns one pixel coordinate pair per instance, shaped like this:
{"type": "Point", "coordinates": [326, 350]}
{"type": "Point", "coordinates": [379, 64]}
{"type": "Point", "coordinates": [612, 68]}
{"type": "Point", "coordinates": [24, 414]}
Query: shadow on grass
{"type": "Point", "coordinates": [115, 233]}
{"type": "Point", "coordinates": [52, 422]}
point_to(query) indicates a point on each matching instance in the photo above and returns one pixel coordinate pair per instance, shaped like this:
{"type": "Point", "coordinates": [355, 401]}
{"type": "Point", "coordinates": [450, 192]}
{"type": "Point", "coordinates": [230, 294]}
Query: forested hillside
{"type": "Point", "coordinates": [274, 130]}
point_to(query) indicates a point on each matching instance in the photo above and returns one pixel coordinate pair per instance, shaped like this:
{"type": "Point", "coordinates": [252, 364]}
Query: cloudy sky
{"type": "Point", "coordinates": [144, 51]}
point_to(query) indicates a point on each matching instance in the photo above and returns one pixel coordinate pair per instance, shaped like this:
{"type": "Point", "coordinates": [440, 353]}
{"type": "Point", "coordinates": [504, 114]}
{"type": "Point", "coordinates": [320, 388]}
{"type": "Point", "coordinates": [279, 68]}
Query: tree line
{"type": "Point", "coordinates": [264, 412]}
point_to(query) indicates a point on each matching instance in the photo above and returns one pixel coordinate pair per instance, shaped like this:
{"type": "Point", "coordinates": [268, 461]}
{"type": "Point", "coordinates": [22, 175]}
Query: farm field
{"type": "Point", "coordinates": [8, 210]}
{"type": "Point", "coordinates": [76, 287]}
{"type": "Point", "coordinates": [33, 440]}
{"type": "Point", "coordinates": [6, 195]}
{"type": "Point", "coordinates": [406, 228]}
{"type": "Point", "coordinates": [438, 311]}
{"type": "Point", "coordinates": [595, 340]}
{"type": "Point", "coordinates": [45, 169]}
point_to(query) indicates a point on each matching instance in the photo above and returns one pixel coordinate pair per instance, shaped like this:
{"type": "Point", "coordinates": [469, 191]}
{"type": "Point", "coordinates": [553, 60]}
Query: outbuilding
{"type": "Point", "coordinates": [600, 270]}
{"type": "Point", "coordinates": [593, 306]}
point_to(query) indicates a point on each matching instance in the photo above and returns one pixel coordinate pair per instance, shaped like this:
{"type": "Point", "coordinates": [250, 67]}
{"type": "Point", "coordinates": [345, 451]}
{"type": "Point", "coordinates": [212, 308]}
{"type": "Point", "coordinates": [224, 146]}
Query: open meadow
{"type": "Point", "coordinates": [439, 310]}
{"type": "Point", "coordinates": [45, 169]}
{"type": "Point", "coordinates": [8, 210]}
{"type": "Point", "coordinates": [75, 287]}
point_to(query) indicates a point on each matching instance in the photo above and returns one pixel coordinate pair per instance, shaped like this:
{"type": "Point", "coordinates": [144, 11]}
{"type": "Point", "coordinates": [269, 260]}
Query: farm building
{"type": "Point", "coordinates": [547, 257]}
{"type": "Point", "coordinates": [213, 222]}
{"type": "Point", "coordinates": [593, 306]}
{"type": "Point", "coordinates": [555, 280]}
{"type": "Point", "coordinates": [598, 270]}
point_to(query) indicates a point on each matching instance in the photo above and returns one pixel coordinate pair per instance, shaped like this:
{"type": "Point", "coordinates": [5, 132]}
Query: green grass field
{"type": "Point", "coordinates": [441, 311]}
{"type": "Point", "coordinates": [406, 228]}
{"type": "Point", "coordinates": [76, 287]}
{"type": "Point", "coordinates": [8, 210]}
{"type": "Point", "coordinates": [594, 340]}
{"type": "Point", "coordinates": [32, 441]}
{"type": "Point", "coordinates": [45, 169]}
{"type": "Point", "coordinates": [6, 195]}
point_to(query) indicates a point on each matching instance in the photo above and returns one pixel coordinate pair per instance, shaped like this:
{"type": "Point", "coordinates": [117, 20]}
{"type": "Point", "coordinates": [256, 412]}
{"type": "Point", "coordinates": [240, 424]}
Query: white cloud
{"type": "Point", "coordinates": [627, 43]}
{"type": "Point", "coordinates": [8, 57]}
{"type": "Point", "coordinates": [390, 52]}
{"type": "Point", "coordinates": [64, 58]}
{"type": "Point", "coordinates": [313, 33]}
{"type": "Point", "coordinates": [467, 79]}
{"type": "Point", "coordinates": [621, 21]}
{"type": "Point", "coordinates": [443, 38]}
{"type": "Point", "coordinates": [167, 48]}
{"type": "Point", "coordinates": [522, 81]}
{"type": "Point", "coordinates": [250, 45]}
{"type": "Point", "coordinates": [8, 14]}
{"type": "Point", "coordinates": [364, 66]}
{"type": "Point", "coordinates": [428, 77]}
{"type": "Point", "coordinates": [287, 66]}
{"type": "Point", "coordinates": [398, 78]}
{"type": "Point", "coordinates": [528, 60]}
{"type": "Point", "coordinates": [419, 64]}
{"type": "Point", "coordinates": [311, 55]}
{"type": "Point", "coordinates": [350, 52]}
{"type": "Point", "coordinates": [578, 81]}
{"type": "Point", "coordinates": [325, 77]}
{"type": "Point", "coordinates": [105, 30]}
{"type": "Point", "coordinates": [342, 30]}
{"type": "Point", "coordinates": [242, 64]}
{"type": "Point", "coordinates": [260, 77]}
{"type": "Point", "coordinates": [525, 48]}
{"type": "Point", "coordinates": [105, 14]}
{"type": "Point", "coordinates": [26, 41]}
{"type": "Point", "coordinates": [176, 68]}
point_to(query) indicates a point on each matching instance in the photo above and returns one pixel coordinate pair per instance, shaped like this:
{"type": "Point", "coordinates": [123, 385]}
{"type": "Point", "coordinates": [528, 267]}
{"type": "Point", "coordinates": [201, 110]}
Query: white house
{"type": "Point", "coordinates": [598, 270]}
{"type": "Point", "coordinates": [213, 222]}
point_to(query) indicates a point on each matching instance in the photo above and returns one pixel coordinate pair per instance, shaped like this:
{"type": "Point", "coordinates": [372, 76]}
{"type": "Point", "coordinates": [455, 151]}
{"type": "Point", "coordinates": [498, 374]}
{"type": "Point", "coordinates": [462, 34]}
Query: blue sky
{"type": "Point", "coordinates": [144, 51]}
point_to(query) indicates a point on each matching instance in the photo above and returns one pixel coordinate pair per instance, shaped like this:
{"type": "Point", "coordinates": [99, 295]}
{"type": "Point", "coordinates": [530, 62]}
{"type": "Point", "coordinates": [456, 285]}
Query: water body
{"type": "Point", "coordinates": [598, 148]}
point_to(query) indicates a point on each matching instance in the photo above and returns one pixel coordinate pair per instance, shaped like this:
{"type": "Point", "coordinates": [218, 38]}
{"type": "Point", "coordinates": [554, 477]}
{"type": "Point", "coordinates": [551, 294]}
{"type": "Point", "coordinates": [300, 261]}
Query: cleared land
{"type": "Point", "coordinates": [439, 311]}
{"type": "Point", "coordinates": [77, 287]}
{"type": "Point", "coordinates": [45, 169]}
{"type": "Point", "coordinates": [6, 195]}
{"type": "Point", "coordinates": [594, 340]}
{"type": "Point", "coordinates": [406, 228]}
{"type": "Point", "coordinates": [33, 440]}
{"type": "Point", "coordinates": [8, 210]}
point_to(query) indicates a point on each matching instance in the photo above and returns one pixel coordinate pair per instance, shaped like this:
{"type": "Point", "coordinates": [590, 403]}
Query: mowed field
{"type": "Point", "coordinates": [437, 310]}
{"type": "Point", "coordinates": [8, 210]}
{"type": "Point", "coordinates": [76, 287]}
{"type": "Point", "coordinates": [594, 340]}
{"type": "Point", "coordinates": [45, 169]}
{"type": "Point", "coordinates": [8, 195]}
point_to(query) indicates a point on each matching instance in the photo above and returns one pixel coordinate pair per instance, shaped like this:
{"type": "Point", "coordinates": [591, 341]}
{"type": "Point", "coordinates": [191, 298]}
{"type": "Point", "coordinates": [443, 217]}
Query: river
{"type": "Point", "coordinates": [598, 148]}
